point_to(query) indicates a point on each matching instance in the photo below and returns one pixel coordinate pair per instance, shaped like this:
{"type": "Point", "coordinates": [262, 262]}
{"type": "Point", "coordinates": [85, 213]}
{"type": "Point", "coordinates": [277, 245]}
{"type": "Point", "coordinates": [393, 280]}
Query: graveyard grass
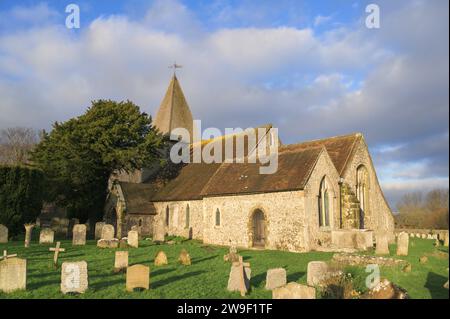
{"type": "Point", "coordinates": [207, 277]}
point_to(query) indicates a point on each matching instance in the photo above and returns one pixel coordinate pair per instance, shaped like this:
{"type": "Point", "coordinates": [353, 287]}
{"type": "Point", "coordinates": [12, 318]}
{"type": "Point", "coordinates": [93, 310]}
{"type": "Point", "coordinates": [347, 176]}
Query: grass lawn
{"type": "Point", "coordinates": [208, 275]}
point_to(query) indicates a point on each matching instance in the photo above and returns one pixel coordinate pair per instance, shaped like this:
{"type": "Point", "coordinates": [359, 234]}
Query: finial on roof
{"type": "Point", "coordinates": [175, 66]}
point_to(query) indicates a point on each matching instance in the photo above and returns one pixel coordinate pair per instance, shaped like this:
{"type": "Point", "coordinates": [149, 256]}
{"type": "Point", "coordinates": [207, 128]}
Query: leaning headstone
{"type": "Point", "coordinates": [138, 276]}
{"type": "Point", "coordinates": [74, 277]}
{"type": "Point", "coordinates": [402, 244]}
{"type": "Point", "coordinates": [28, 231]}
{"type": "Point", "coordinates": [275, 278]}
{"type": "Point", "coordinates": [158, 231]}
{"type": "Point", "coordinates": [98, 229]}
{"type": "Point", "coordinates": [79, 235]}
{"type": "Point", "coordinates": [316, 272]}
{"type": "Point", "coordinates": [13, 274]}
{"type": "Point", "coordinates": [3, 234]}
{"type": "Point", "coordinates": [382, 247]}
{"type": "Point", "coordinates": [120, 261]}
{"type": "Point", "coordinates": [133, 239]}
{"type": "Point", "coordinates": [294, 290]}
{"type": "Point", "coordinates": [184, 258]}
{"type": "Point", "coordinates": [161, 258]}
{"type": "Point", "coordinates": [46, 236]}
{"type": "Point", "coordinates": [108, 232]}
{"type": "Point", "coordinates": [239, 279]}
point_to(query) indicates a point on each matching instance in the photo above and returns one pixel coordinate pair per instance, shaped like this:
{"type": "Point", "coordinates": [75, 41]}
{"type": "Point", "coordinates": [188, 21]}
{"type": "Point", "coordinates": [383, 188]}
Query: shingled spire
{"type": "Point", "coordinates": [174, 111]}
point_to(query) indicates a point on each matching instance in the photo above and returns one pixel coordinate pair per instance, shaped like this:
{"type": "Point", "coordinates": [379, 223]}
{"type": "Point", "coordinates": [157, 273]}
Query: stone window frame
{"type": "Point", "coordinates": [217, 217]}
{"type": "Point", "coordinates": [366, 191]}
{"type": "Point", "coordinates": [187, 216]}
{"type": "Point", "coordinates": [167, 219]}
{"type": "Point", "coordinates": [328, 189]}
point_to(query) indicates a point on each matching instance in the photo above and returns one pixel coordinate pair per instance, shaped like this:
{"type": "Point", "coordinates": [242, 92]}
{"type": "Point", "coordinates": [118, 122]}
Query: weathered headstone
{"type": "Point", "coordinates": [120, 261]}
{"type": "Point", "coordinates": [423, 236]}
{"type": "Point", "coordinates": [74, 277]}
{"type": "Point", "coordinates": [184, 258]}
{"type": "Point", "coordinates": [161, 258]}
{"type": "Point", "coordinates": [46, 236]}
{"type": "Point", "coordinates": [98, 229]}
{"type": "Point", "coordinates": [108, 232]}
{"type": "Point", "coordinates": [276, 278]}
{"type": "Point", "coordinates": [79, 235]}
{"type": "Point", "coordinates": [56, 251]}
{"type": "Point", "coordinates": [446, 239]}
{"type": "Point", "coordinates": [104, 243]}
{"type": "Point", "coordinates": [138, 276]}
{"type": "Point", "coordinates": [423, 259]}
{"type": "Point", "coordinates": [3, 234]}
{"type": "Point", "coordinates": [28, 231]}
{"type": "Point", "coordinates": [239, 279]}
{"type": "Point", "coordinates": [402, 244]}
{"type": "Point", "coordinates": [294, 290]}
{"type": "Point", "coordinates": [133, 238]}
{"type": "Point", "coordinates": [159, 231]}
{"type": "Point", "coordinates": [13, 274]}
{"type": "Point", "coordinates": [382, 247]}
{"type": "Point", "coordinates": [316, 272]}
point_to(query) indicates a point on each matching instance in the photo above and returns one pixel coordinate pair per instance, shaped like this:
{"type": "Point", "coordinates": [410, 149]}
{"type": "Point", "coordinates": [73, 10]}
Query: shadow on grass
{"type": "Point", "coordinates": [197, 261]}
{"type": "Point", "coordinates": [40, 284]}
{"type": "Point", "coordinates": [160, 271]}
{"type": "Point", "coordinates": [295, 276]}
{"type": "Point", "coordinates": [435, 285]}
{"type": "Point", "coordinates": [170, 280]}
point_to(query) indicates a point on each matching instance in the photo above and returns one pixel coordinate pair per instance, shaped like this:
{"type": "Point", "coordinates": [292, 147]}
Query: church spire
{"type": "Point", "coordinates": [174, 111]}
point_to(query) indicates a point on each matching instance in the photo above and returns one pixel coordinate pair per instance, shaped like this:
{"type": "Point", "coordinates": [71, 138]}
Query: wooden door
{"type": "Point", "coordinates": [259, 236]}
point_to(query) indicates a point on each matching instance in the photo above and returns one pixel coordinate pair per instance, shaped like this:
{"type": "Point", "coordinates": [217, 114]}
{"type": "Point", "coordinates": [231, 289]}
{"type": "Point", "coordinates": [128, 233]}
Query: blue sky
{"type": "Point", "coordinates": [311, 68]}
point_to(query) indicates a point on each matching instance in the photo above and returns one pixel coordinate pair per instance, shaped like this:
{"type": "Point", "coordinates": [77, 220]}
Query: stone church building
{"type": "Point", "coordinates": [324, 195]}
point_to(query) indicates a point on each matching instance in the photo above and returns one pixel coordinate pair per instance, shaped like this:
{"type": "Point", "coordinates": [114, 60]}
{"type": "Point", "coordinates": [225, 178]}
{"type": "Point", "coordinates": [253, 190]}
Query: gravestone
{"type": "Point", "coordinates": [423, 236]}
{"type": "Point", "coordinates": [79, 235]}
{"type": "Point", "coordinates": [56, 251]}
{"type": "Point", "coordinates": [133, 239]}
{"type": "Point", "coordinates": [120, 261]}
{"type": "Point", "coordinates": [316, 272]}
{"type": "Point", "coordinates": [46, 236]}
{"type": "Point", "coordinates": [402, 244]}
{"type": "Point", "coordinates": [74, 277]}
{"type": "Point", "coordinates": [3, 234]}
{"type": "Point", "coordinates": [382, 247]}
{"type": "Point", "coordinates": [104, 243]}
{"type": "Point", "coordinates": [232, 255]}
{"type": "Point", "coordinates": [161, 258]}
{"type": "Point", "coordinates": [276, 278]}
{"type": "Point", "coordinates": [138, 276]}
{"type": "Point", "coordinates": [158, 231]}
{"type": "Point", "coordinates": [239, 279]}
{"type": "Point", "coordinates": [184, 258]}
{"type": "Point", "coordinates": [28, 231]}
{"type": "Point", "coordinates": [72, 223]}
{"type": "Point", "coordinates": [294, 290]}
{"type": "Point", "coordinates": [108, 232]}
{"type": "Point", "coordinates": [446, 239]}
{"type": "Point", "coordinates": [98, 229]}
{"type": "Point", "coordinates": [13, 274]}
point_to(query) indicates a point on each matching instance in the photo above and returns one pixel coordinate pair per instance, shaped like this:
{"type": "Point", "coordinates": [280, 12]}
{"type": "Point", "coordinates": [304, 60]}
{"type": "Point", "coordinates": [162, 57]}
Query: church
{"type": "Point", "coordinates": [325, 194]}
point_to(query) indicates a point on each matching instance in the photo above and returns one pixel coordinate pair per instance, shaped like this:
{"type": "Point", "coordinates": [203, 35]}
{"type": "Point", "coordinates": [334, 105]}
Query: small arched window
{"type": "Point", "coordinates": [167, 215]}
{"type": "Point", "coordinates": [324, 204]}
{"type": "Point", "coordinates": [188, 216]}
{"type": "Point", "coordinates": [140, 222]}
{"type": "Point", "coordinates": [217, 217]}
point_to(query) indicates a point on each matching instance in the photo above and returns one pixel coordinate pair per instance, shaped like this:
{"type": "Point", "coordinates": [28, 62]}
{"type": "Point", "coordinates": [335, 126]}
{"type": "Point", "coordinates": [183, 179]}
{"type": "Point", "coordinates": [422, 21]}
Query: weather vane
{"type": "Point", "coordinates": [175, 66]}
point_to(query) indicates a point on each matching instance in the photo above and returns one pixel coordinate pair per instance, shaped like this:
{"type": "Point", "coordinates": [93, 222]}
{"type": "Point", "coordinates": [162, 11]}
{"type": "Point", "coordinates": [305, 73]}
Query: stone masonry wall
{"type": "Point", "coordinates": [321, 236]}
{"type": "Point", "coordinates": [379, 217]}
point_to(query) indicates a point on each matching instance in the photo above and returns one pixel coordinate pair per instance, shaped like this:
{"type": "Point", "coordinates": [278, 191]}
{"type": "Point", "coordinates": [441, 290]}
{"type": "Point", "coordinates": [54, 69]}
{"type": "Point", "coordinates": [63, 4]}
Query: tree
{"type": "Point", "coordinates": [78, 156]}
{"type": "Point", "coordinates": [15, 145]}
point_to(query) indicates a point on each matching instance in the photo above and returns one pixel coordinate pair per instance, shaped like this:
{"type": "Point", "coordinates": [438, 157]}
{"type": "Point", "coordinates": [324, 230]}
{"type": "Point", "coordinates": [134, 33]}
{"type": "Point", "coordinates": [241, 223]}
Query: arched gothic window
{"type": "Point", "coordinates": [167, 215]}
{"type": "Point", "coordinates": [324, 204]}
{"type": "Point", "coordinates": [217, 217]}
{"type": "Point", "coordinates": [362, 192]}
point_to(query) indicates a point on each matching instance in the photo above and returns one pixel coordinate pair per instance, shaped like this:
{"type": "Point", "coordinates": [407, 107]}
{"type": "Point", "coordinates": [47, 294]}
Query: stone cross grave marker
{"type": "Point", "coordinates": [133, 239]}
{"type": "Point", "coordinates": [13, 274]}
{"type": "Point", "coordinates": [239, 277]}
{"type": "Point", "coordinates": [46, 236]}
{"type": "Point", "coordinates": [120, 261]}
{"type": "Point", "coordinates": [74, 277]}
{"type": "Point", "coordinates": [57, 250]}
{"type": "Point", "coordinates": [108, 232]}
{"type": "Point", "coordinates": [3, 234]}
{"type": "Point", "coordinates": [28, 231]}
{"type": "Point", "coordinates": [138, 276]}
{"type": "Point", "coordinates": [79, 235]}
{"type": "Point", "coordinates": [6, 256]}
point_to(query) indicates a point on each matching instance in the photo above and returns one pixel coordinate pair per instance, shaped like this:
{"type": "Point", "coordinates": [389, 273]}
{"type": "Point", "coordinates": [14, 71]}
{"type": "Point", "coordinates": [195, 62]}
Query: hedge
{"type": "Point", "coordinates": [21, 196]}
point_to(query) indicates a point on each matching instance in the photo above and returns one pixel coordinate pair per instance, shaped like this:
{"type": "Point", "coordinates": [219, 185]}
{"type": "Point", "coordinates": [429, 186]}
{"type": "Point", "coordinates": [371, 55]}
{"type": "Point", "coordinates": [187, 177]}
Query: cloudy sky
{"type": "Point", "coordinates": [312, 68]}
